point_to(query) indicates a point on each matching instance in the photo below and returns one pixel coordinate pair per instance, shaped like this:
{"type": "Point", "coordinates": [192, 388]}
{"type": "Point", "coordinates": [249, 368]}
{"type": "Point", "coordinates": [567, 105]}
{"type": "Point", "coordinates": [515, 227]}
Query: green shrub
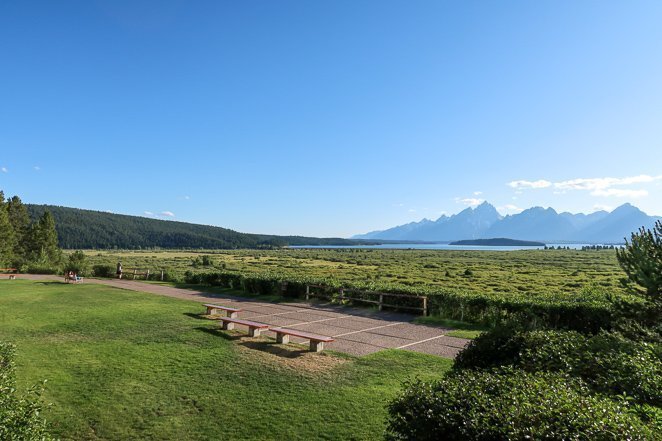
{"type": "Point", "coordinates": [77, 263]}
{"type": "Point", "coordinates": [42, 269]}
{"type": "Point", "coordinates": [103, 271]}
{"type": "Point", "coordinates": [509, 404]}
{"type": "Point", "coordinates": [19, 415]}
{"type": "Point", "coordinates": [608, 363]}
{"type": "Point", "coordinates": [497, 347]}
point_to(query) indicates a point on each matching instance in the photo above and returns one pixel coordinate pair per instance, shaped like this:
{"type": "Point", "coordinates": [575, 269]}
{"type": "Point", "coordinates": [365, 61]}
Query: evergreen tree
{"type": "Point", "coordinates": [42, 243]}
{"type": "Point", "coordinates": [6, 237]}
{"type": "Point", "coordinates": [641, 259]}
{"type": "Point", "coordinates": [20, 222]}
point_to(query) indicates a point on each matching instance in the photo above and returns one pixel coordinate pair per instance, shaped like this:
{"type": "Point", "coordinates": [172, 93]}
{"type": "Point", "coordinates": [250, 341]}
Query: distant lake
{"type": "Point", "coordinates": [442, 246]}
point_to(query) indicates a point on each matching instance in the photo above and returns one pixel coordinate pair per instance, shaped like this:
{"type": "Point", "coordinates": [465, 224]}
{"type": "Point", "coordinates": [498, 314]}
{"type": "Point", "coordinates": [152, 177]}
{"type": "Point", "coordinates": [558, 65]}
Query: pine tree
{"type": "Point", "coordinates": [20, 222]}
{"type": "Point", "coordinates": [6, 237]}
{"type": "Point", "coordinates": [42, 242]}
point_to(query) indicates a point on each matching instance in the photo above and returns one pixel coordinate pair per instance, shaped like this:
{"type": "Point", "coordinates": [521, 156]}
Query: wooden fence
{"type": "Point", "coordinates": [137, 272]}
{"type": "Point", "coordinates": [375, 298]}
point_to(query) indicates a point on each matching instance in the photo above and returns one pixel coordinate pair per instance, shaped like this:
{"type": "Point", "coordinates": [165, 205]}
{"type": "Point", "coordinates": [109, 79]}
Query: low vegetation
{"type": "Point", "coordinates": [560, 288]}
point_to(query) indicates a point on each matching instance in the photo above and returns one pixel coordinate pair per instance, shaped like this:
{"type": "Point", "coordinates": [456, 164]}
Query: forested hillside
{"type": "Point", "coordinates": [84, 229]}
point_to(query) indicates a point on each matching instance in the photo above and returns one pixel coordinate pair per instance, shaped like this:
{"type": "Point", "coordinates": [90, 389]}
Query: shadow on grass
{"type": "Point", "coordinates": [273, 348]}
{"type": "Point", "coordinates": [218, 332]}
{"type": "Point", "coordinates": [196, 316]}
{"type": "Point", "coordinates": [62, 283]}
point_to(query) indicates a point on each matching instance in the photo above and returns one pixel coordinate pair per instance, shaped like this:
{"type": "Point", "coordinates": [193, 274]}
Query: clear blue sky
{"type": "Point", "coordinates": [330, 118]}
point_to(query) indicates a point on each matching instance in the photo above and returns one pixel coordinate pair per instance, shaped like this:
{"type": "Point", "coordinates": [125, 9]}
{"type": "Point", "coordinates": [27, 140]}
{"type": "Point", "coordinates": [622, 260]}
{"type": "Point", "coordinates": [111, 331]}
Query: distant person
{"type": "Point", "coordinates": [119, 270]}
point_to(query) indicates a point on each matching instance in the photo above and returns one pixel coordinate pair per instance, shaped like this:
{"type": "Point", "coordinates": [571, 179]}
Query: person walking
{"type": "Point", "coordinates": [119, 270]}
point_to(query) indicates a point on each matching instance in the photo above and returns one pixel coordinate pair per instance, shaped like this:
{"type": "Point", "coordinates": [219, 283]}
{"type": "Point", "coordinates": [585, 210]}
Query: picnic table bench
{"type": "Point", "coordinates": [254, 328]}
{"type": "Point", "coordinates": [316, 341]}
{"type": "Point", "coordinates": [12, 272]}
{"type": "Point", "coordinates": [231, 312]}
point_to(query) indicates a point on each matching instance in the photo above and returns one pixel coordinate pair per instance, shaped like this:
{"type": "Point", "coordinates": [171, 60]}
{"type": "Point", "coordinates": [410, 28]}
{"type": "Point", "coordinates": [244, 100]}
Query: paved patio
{"type": "Point", "coordinates": [358, 331]}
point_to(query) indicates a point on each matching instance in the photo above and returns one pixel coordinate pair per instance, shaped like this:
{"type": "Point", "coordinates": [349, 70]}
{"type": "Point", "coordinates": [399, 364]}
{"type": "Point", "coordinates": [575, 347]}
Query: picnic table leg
{"type": "Point", "coordinates": [210, 310]}
{"type": "Point", "coordinates": [232, 314]}
{"type": "Point", "coordinates": [282, 338]}
{"type": "Point", "coordinates": [254, 332]}
{"type": "Point", "coordinates": [228, 326]}
{"type": "Point", "coordinates": [316, 346]}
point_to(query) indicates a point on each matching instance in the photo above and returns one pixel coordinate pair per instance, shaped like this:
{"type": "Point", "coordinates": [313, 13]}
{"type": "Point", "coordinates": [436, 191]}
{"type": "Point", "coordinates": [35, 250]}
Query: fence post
{"type": "Point", "coordinates": [134, 274]}
{"type": "Point", "coordinates": [147, 275]}
{"type": "Point", "coordinates": [161, 275]}
{"type": "Point", "coordinates": [425, 306]}
{"type": "Point", "coordinates": [307, 292]}
{"type": "Point", "coordinates": [342, 294]}
{"type": "Point", "coordinates": [381, 301]}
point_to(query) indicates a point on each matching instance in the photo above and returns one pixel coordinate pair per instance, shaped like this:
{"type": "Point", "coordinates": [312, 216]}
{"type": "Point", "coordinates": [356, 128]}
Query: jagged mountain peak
{"type": "Point", "coordinates": [535, 223]}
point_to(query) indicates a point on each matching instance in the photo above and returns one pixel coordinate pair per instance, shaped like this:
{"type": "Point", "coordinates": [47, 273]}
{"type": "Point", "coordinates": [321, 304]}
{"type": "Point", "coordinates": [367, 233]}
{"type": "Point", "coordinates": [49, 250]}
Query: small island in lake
{"type": "Point", "coordinates": [499, 242]}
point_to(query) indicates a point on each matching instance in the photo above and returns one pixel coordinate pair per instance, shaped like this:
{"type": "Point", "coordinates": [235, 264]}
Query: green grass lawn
{"type": "Point", "coordinates": [128, 365]}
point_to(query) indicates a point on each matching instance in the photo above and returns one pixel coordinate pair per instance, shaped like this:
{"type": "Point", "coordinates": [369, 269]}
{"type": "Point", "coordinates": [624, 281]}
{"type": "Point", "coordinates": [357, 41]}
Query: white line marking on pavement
{"type": "Point", "coordinates": [269, 315]}
{"type": "Point", "coordinates": [369, 329]}
{"type": "Point", "coordinates": [317, 321]}
{"type": "Point", "coordinates": [422, 341]}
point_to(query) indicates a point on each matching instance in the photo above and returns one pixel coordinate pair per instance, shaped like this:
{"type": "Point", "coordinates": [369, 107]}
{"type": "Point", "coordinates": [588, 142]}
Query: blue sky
{"type": "Point", "coordinates": [330, 118]}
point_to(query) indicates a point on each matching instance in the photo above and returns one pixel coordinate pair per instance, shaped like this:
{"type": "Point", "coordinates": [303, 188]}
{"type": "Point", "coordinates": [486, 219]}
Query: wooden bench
{"type": "Point", "coordinates": [231, 312]}
{"type": "Point", "coordinates": [316, 341]}
{"type": "Point", "coordinates": [10, 270]}
{"type": "Point", "coordinates": [254, 328]}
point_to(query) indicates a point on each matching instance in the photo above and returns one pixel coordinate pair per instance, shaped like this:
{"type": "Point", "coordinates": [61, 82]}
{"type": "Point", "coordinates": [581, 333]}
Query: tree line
{"type": "Point", "coordinates": [27, 243]}
{"type": "Point", "coordinates": [87, 229]}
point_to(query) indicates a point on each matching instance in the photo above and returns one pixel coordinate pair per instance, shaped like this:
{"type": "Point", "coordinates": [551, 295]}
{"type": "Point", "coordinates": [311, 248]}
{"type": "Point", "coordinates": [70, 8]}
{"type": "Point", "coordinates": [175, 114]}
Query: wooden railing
{"type": "Point", "coordinates": [377, 297]}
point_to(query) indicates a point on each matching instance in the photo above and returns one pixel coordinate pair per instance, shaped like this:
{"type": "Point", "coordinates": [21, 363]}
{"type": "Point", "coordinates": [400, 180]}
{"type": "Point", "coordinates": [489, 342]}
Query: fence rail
{"type": "Point", "coordinates": [381, 296]}
{"type": "Point", "coordinates": [140, 272]}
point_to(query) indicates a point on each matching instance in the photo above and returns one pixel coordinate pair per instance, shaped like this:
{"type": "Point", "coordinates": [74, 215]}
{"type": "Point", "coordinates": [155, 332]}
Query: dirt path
{"type": "Point", "coordinates": [358, 331]}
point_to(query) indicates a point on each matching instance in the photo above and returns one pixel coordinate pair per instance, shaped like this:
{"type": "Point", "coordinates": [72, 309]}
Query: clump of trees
{"type": "Point", "coordinates": [515, 382]}
{"type": "Point", "coordinates": [27, 245]}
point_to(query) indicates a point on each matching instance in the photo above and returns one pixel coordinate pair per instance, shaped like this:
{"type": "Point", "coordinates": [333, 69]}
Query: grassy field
{"type": "Point", "coordinates": [513, 273]}
{"type": "Point", "coordinates": [128, 365]}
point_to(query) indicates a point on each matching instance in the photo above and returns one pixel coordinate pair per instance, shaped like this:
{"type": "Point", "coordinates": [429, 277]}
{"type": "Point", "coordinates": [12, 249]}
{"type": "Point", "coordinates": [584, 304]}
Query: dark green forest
{"type": "Point", "coordinates": [87, 229]}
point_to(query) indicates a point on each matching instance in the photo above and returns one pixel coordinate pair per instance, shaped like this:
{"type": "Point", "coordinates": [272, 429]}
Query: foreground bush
{"type": "Point", "coordinates": [510, 404]}
{"type": "Point", "coordinates": [608, 363]}
{"type": "Point", "coordinates": [103, 271]}
{"type": "Point", "coordinates": [19, 415]}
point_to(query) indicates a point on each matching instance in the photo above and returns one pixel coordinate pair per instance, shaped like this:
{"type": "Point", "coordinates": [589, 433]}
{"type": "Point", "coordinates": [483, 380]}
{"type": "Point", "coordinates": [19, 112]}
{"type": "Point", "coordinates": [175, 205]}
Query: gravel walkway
{"type": "Point", "coordinates": [357, 331]}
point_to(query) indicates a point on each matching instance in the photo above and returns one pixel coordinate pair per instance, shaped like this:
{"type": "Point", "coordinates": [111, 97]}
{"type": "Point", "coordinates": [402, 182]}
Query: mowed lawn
{"type": "Point", "coordinates": [129, 365]}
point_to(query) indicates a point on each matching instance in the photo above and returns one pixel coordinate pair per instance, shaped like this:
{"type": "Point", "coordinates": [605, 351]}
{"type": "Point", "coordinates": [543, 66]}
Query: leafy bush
{"type": "Point", "coordinates": [103, 271]}
{"type": "Point", "coordinates": [497, 347]}
{"type": "Point", "coordinates": [608, 363]}
{"type": "Point", "coordinates": [77, 263]}
{"type": "Point", "coordinates": [509, 404]}
{"type": "Point", "coordinates": [42, 269]}
{"type": "Point", "coordinates": [19, 415]}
